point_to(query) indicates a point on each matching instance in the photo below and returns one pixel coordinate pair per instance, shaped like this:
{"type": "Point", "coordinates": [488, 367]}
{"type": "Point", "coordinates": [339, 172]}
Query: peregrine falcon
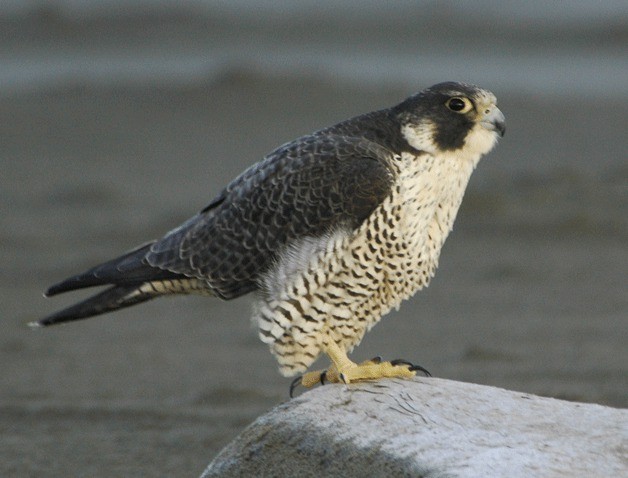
{"type": "Point", "coordinates": [330, 231]}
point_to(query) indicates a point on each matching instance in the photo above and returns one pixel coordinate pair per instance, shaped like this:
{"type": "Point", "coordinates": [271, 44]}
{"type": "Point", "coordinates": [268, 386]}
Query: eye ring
{"type": "Point", "coordinates": [459, 104]}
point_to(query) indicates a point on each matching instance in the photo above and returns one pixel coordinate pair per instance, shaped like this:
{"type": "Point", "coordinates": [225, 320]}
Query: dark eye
{"type": "Point", "coordinates": [459, 104]}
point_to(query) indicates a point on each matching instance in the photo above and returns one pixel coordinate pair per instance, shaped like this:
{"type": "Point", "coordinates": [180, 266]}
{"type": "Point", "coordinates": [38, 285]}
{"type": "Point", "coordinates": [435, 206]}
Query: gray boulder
{"type": "Point", "coordinates": [428, 427]}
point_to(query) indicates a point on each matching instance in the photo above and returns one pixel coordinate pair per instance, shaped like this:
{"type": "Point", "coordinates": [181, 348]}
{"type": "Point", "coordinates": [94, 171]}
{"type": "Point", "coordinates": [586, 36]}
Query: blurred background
{"type": "Point", "coordinates": [120, 119]}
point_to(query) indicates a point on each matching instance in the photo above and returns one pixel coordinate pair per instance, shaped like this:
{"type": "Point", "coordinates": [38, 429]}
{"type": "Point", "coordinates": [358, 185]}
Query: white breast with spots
{"type": "Point", "coordinates": [338, 286]}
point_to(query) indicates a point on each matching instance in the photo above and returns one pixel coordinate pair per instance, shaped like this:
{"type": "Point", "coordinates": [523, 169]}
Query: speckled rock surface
{"type": "Point", "coordinates": [428, 428]}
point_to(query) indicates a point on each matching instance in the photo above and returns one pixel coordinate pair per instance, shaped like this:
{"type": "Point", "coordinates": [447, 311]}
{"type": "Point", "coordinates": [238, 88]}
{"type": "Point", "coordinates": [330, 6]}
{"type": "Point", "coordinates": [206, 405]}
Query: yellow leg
{"type": "Point", "coordinates": [346, 371]}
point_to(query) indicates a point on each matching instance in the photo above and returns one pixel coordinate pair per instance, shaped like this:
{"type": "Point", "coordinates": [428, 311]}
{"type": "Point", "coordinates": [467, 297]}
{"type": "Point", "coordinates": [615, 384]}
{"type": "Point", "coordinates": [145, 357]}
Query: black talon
{"type": "Point", "coordinates": [323, 377]}
{"type": "Point", "coordinates": [415, 368]}
{"type": "Point", "coordinates": [295, 384]}
{"type": "Point", "coordinates": [377, 359]}
{"type": "Point", "coordinates": [411, 366]}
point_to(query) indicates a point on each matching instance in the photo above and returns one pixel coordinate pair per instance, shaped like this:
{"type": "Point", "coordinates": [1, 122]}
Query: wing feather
{"type": "Point", "coordinates": [305, 188]}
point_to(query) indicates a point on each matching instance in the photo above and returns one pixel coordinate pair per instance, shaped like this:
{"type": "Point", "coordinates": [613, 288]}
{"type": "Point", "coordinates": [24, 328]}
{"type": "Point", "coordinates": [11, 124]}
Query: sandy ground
{"type": "Point", "coordinates": [530, 294]}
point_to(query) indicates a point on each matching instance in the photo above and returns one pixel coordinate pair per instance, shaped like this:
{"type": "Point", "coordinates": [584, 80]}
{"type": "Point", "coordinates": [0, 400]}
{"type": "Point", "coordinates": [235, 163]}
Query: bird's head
{"type": "Point", "coordinates": [452, 117]}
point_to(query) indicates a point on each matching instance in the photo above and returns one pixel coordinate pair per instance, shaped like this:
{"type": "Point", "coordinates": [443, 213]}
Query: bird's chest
{"type": "Point", "coordinates": [399, 245]}
{"type": "Point", "coordinates": [342, 284]}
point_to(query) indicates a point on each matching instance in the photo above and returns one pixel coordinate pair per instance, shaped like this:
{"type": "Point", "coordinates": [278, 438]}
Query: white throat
{"type": "Point", "coordinates": [478, 142]}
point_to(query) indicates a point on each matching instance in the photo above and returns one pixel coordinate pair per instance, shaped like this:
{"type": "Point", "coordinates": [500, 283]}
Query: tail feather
{"type": "Point", "coordinates": [129, 269]}
{"type": "Point", "coordinates": [114, 298]}
{"type": "Point", "coordinates": [131, 280]}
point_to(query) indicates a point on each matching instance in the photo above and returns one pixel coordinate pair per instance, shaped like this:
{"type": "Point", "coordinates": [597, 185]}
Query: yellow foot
{"type": "Point", "coordinates": [332, 375]}
{"type": "Point", "coordinates": [373, 369]}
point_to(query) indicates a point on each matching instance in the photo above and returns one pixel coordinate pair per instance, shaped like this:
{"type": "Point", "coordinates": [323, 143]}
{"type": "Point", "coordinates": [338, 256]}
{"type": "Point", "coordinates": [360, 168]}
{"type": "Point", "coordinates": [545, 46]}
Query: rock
{"type": "Point", "coordinates": [428, 427]}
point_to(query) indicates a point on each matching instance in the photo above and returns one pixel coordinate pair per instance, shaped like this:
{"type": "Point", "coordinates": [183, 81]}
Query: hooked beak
{"type": "Point", "coordinates": [494, 120]}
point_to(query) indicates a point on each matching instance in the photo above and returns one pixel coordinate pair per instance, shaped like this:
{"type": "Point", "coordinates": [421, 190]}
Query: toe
{"type": "Point", "coordinates": [313, 378]}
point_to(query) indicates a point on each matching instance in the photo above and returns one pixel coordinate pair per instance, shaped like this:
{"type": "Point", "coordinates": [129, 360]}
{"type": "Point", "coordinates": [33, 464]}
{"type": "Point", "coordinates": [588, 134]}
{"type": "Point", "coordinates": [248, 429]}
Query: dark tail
{"type": "Point", "coordinates": [132, 281]}
{"type": "Point", "coordinates": [130, 268]}
{"type": "Point", "coordinates": [114, 298]}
